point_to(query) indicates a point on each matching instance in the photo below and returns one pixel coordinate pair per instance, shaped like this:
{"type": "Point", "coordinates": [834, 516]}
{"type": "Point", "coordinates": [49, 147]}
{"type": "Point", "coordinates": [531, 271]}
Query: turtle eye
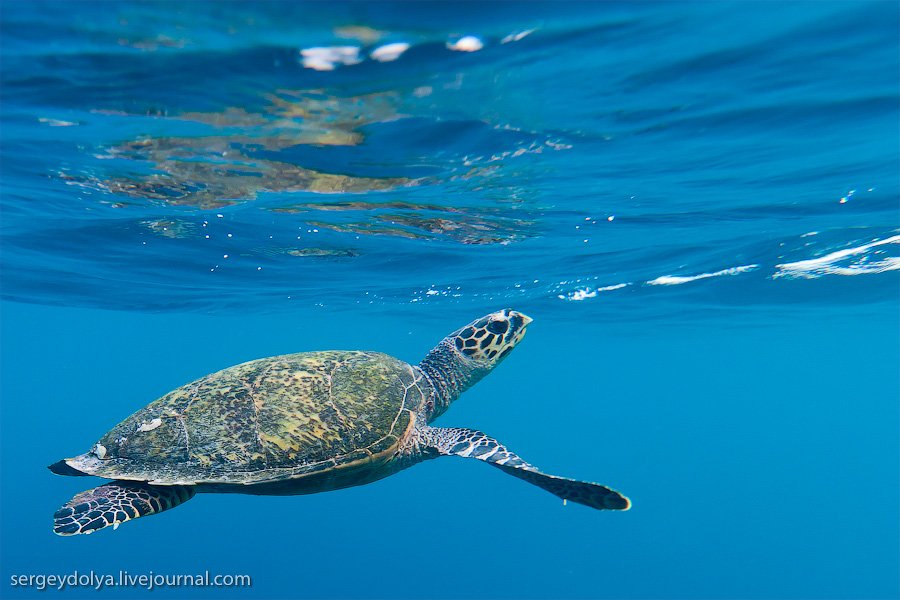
{"type": "Point", "coordinates": [499, 326]}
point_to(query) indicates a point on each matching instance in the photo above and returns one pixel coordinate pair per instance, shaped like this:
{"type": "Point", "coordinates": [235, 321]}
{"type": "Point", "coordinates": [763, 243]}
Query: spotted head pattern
{"type": "Point", "coordinates": [492, 337]}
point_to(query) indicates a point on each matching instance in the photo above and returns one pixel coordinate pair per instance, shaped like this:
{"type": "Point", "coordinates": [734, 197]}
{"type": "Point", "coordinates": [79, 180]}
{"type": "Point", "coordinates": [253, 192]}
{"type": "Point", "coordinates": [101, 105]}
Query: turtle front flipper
{"type": "Point", "coordinates": [470, 443]}
{"type": "Point", "coordinates": [115, 503]}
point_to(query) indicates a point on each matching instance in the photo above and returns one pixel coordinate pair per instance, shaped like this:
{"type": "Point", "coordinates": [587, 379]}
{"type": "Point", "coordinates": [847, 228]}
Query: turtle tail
{"type": "Point", "coordinates": [117, 502]}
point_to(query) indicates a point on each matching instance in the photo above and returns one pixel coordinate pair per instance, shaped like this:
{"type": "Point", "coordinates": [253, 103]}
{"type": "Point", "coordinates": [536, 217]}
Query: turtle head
{"type": "Point", "coordinates": [488, 340]}
{"type": "Point", "coordinates": [469, 353]}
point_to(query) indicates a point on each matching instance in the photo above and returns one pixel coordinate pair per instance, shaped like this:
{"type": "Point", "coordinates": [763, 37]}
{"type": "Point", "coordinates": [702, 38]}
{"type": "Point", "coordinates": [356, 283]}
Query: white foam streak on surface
{"type": "Point", "coordinates": [678, 280]}
{"type": "Point", "coordinates": [326, 58]}
{"type": "Point", "coordinates": [858, 264]}
{"type": "Point", "coordinates": [389, 52]}
{"type": "Point", "coordinates": [515, 37]}
{"type": "Point", "coordinates": [584, 293]}
{"type": "Point", "coordinates": [56, 122]}
{"type": "Point", "coordinates": [610, 288]}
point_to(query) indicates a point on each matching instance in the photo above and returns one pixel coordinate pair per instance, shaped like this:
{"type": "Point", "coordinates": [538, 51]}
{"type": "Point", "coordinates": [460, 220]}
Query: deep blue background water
{"type": "Point", "coordinates": [696, 202]}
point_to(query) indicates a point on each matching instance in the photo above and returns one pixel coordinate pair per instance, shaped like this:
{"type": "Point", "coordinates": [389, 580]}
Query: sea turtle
{"type": "Point", "coordinates": [300, 424]}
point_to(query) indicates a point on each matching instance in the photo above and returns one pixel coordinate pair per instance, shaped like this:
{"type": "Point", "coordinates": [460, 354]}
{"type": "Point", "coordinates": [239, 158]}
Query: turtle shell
{"type": "Point", "coordinates": [267, 420]}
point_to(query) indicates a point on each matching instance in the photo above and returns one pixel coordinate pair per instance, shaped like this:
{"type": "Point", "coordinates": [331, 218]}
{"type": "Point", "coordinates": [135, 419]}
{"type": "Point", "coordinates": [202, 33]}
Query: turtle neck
{"type": "Point", "coordinates": [449, 374]}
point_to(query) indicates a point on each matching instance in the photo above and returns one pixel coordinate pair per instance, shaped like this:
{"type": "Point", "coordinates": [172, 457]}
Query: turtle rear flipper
{"type": "Point", "coordinates": [470, 443]}
{"type": "Point", "coordinates": [115, 503]}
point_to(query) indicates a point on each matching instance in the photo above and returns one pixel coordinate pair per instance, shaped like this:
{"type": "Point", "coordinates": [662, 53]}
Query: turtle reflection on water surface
{"type": "Point", "coordinates": [300, 424]}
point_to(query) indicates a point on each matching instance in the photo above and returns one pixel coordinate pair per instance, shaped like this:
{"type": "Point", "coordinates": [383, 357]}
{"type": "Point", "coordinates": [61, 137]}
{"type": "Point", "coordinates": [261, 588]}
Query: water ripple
{"type": "Point", "coordinates": [540, 159]}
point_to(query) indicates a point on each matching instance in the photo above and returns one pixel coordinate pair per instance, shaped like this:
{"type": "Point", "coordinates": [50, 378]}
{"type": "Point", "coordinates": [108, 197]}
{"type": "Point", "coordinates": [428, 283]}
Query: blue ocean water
{"type": "Point", "coordinates": [696, 202]}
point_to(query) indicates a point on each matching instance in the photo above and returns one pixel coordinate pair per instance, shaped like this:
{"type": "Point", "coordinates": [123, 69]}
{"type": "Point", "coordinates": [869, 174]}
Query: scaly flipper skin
{"type": "Point", "coordinates": [115, 503]}
{"type": "Point", "coordinates": [470, 443]}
